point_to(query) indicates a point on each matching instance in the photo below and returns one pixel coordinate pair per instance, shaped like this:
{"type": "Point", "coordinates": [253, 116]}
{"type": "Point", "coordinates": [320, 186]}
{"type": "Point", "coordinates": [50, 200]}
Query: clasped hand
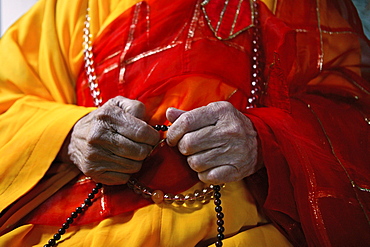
{"type": "Point", "coordinates": [111, 143]}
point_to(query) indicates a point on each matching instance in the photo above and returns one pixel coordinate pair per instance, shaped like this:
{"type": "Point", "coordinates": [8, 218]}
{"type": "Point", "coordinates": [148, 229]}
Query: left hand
{"type": "Point", "coordinates": [219, 141]}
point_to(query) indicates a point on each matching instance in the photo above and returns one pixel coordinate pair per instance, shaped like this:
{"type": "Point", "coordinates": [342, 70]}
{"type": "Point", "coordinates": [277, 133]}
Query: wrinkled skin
{"type": "Point", "coordinates": [219, 141]}
{"type": "Point", "coordinates": [110, 143]}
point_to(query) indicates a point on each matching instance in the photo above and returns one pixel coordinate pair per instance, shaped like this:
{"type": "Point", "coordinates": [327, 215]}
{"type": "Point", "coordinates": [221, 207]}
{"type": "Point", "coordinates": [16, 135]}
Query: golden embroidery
{"type": "Point", "coordinates": [320, 61]}
{"type": "Point", "coordinates": [353, 183]}
{"type": "Point", "coordinates": [236, 17]}
{"type": "Point", "coordinates": [130, 40]}
{"type": "Point", "coordinates": [232, 34]}
{"type": "Point", "coordinates": [222, 15]}
{"type": "Point", "coordinates": [193, 25]}
{"type": "Point", "coordinates": [338, 32]}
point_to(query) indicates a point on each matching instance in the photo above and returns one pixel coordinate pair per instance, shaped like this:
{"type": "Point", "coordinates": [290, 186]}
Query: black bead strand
{"type": "Point", "coordinates": [79, 210]}
{"type": "Point", "coordinates": [219, 214]}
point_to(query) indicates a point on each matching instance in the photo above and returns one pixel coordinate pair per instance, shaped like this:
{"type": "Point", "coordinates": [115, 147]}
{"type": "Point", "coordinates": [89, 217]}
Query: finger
{"type": "Point", "coordinates": [172, 114]}
{"type": "Point", "coordinates": [112, 178]}
{"type": "Point", "coordinates": [190, 121]}
{"type": "Point", "coordinates": [209, 159]}
{"type": "Point", "coordinates": [115, 120]}
{"type": "Point", "coordinates": [133, 107]}
{"type": "Point", "coordinates": [219, 175]}
{"type": "Point", "coordinates": [200, 140]}
{"type": "Point", "coordinates": [99, 161]}
{"type": "Point", "coordinates": [123, 147]}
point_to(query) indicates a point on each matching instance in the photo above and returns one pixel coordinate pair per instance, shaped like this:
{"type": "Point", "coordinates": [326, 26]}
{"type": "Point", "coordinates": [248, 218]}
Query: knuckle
{"type": "Point", "coordinates": [221, 106]}
{"type": "Point", "coordinates": [195, 163]}
{"type": "Point", "coordinates": [94, 136]}
{"type": "Point", "coordinates": [139, 130]}
{"type": "Point", "coordinates": [102, 118]}
{"type": "Point", "coordinates": [213, 177]}
{"type": "Point", "coordinates": [185, 145]}
{"type": "Point", "coordinates": [137, 167]}
{"type": "Point", "coordinates": [92, 155]}
{"type": "Point", "coordinates": [143, 152]}
{"type": "Point", "coordinates": [231, 131]}
{"type": "Point", "coordinates": [136, 107]}
{"type": "Point", "coordinates": [187, 119]}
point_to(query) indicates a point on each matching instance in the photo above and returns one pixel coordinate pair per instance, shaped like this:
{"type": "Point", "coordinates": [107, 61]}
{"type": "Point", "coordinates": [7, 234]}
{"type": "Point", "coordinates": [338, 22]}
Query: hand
{"type": "Point", "coordinates": [220, 142]}
{"type": "Point", "coordinates": [110, 143]}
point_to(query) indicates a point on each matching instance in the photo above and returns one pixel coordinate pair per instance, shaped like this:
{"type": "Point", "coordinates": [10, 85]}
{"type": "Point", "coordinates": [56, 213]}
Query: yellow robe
{"type": "Point", "coordinates": [41, 55]}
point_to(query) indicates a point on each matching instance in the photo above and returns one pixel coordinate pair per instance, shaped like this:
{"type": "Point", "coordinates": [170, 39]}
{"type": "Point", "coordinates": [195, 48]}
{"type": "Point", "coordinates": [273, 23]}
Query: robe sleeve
{"type": "Point", "coordinates": [40, 56]}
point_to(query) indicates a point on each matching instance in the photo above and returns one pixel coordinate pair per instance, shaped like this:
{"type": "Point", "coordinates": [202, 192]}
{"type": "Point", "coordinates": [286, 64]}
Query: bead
{"type": "Point", "coordinates": [130, 184]}
{"type": "Point", "coordinates": [91, 196]}
{"type": "Point", "coordinates": [147, 192]}
{"type": "Point", "coordinates": [198, 195]}
{"type": "Point", "coordinates": [74, 215]}
{"type": "Point", "coordinates": [220, 222]}
{"type": "Point", "coordinates": [218, 244]}
{"type": "Point", "coordinates": [78, 210]}
{"type": "Point", "coordinates": [208, 193]}
{"type": "Point", "coordinates": [217, 201]}
{"type": "Point", "coordinates": [164, 128]}
{"type": "Point", "coordinates": [217, 194]}
{"type": "Point", "coordinates": [132, 181]}
{"type": "Point", "coordinates": [69, 220]}
{"type": "Point", "coordinates": [138, 189]}
{"type": "Point", "coordinates": [88, 202]}
{"type": "Point", "coordinates": [65, 225]}
{"type": "Point", "coordinates": [220, 236]}
{"type": "Point", "coordinates": [218, 209]}
{"type": "Point", "coordinates": [206, 190]}
{"type": "Point", "coordinates": [157, 196]}
{"type": "Point", "coordinates": [220, 216]}
{"type": "Point", "coordinates": [161, 127]}
{"type": "Point", "coordinates": [61, 231]}
{"type": "Point", "coordinates": [189, 199]}
{"type": "Point", "coordinates": [52, 242]}
{"type": "Point", "coordinates": [47, 245]}
{"type": "Point", "coordinates": [168, 198]}
{"type": "Point", "coordinates": [216, 187]}
{"type": "Point", "coordinates": [179, 199]}
{"type": "Point", "coordinates": [57, 236]}
{"type": "Point", "coordinates": [220, 229]}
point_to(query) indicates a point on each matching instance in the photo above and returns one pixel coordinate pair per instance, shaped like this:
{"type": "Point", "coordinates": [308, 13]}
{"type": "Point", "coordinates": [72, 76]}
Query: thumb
{"type": "Point", "coordinates": [173, 113]}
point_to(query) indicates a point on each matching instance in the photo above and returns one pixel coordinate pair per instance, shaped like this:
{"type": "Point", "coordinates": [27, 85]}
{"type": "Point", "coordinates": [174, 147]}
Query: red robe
{"type": "Point", "coordinates": [312, 122]}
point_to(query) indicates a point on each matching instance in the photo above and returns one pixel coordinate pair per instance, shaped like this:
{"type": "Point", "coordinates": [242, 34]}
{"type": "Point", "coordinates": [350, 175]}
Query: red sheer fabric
{"type": "Point", "coordinates": [314, 138]}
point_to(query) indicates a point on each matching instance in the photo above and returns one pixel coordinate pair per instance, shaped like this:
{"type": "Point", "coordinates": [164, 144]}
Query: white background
{"type": "Point", "coordinates": [11, 10]}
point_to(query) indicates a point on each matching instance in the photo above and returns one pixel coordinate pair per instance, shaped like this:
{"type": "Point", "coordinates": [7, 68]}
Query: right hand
{"type": "Point", "coordinates": [110, 143]}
